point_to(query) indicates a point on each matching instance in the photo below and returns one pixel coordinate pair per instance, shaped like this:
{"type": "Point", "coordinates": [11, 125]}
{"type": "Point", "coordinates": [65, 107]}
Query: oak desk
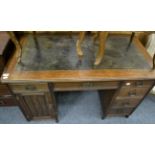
{"type": "Point", "coordinates": [123, 78]}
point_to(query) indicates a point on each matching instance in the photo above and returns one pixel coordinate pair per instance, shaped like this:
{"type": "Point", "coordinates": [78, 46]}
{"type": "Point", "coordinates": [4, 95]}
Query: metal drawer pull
{"type": "Point", "coordinates": [30, 87]}
{"type": "Point", "coordinates": [132, 94]}
{"type": "Point", "coordinates": [128, 84]}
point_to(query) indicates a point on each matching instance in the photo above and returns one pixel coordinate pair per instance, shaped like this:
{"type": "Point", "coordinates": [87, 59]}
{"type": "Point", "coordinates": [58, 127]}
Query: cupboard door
{"type": "Point", "coordinates": [37, 106]}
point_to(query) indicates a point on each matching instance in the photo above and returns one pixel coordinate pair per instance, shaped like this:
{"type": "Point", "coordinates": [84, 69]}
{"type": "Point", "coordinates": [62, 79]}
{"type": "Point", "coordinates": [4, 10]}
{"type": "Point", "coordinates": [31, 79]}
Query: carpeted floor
{"type": "Point", "coordinates": [83, 108]}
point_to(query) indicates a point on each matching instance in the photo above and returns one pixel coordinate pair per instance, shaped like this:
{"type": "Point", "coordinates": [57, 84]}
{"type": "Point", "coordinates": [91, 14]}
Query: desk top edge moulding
{"type": "Point", "coordinates": [53, 57]}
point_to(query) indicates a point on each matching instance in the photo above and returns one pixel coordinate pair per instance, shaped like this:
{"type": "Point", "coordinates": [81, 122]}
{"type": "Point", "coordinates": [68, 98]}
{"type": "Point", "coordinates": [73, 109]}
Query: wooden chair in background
{"type": "Point", "coordinates": [16, 43]}
{"type": "Point", "coordinates": [143, 37]}
{"type": "Point", "coordinates": [18, 46]}
{"type": "Point", "coordinates": [102, 36]}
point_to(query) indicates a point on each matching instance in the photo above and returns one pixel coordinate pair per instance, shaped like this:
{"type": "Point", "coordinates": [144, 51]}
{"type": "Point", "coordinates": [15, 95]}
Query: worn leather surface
{"type": "Point", "coordinates": [56, 52]}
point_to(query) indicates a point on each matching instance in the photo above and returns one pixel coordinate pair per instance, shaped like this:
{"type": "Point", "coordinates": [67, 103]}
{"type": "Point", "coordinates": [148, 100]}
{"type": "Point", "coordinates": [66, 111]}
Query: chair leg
{"type": "Point", "coordinates": [17, 44]}
{"type": "Point", "coordinates": [131, 39]}
{"type": "Point", "coordinates": [102, 42]}
{"type": "Point", "coordinates": [95, 36]}
{"type": "Point", "coordinates": [78, 45]}
{"type": "Point", "coordinates": [153, 62]}
{"type": "Point", "coordinates": [37, 45]}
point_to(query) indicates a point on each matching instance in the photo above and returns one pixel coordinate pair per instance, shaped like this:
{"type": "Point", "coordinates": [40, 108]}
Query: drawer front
{"type": "Point", "coordinates": [9, 101]}
{"type": "Point", "coordinates": [125, 103]}
{"type": "Point", "coordinates": [138, 84]}
{"type": "Point", "coordinates": [132, 93]}
{"type": "Point", "coordinates": [120, 111]}
{"type": "Point", "coordinates": [67, 86]}
{"type": "Point", "coordinates": [29, 87]}
{"type": "Point", "coordinates": [4, 90]}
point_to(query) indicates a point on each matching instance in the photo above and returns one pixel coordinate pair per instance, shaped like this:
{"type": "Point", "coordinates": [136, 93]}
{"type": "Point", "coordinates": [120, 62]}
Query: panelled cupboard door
{"type": "Point", "coordinates": [37, 106]}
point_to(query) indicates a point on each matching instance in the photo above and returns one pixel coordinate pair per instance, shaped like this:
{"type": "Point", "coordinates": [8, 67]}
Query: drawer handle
{"type": "Point", "coordinates": [139, 83]}
{"type": "Point", "coordinates": [88, 84]}
{"type": "Point", "coordinates": [127, 83]}
{"type": "Point", "coordinates": [30, 87]}
{"type": "Point", "coordinates": [132, 94]}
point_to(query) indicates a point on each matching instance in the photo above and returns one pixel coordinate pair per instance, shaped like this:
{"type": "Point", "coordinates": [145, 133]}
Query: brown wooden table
{"type": "Point", "coordinates": [123, 78]}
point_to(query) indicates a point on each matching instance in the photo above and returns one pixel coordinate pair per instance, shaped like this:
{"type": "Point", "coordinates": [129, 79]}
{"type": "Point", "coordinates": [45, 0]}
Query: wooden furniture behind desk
{"type": "Point", "coordinates": [6, 97]}
{"type": "Point", "coordinates": [121, 90]}
{"type": "Point", "coordinates": [102, 36]}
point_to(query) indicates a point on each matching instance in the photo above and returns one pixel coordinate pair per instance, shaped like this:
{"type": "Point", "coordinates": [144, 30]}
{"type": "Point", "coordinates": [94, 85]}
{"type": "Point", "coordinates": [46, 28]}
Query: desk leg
{"type": "Point", "coordinates": [103, 117]}
{"type": "Point", "coordinates": [127, 116]}
{"type": "Point", "coordinates": [51, 88]}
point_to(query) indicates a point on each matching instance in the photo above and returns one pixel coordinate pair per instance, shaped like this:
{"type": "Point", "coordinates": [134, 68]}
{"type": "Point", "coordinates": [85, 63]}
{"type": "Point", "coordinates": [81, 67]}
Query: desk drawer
{"type": "Point", "coordinates": [4, 90]}
{"type": "Point", "coordinates": [71, 86]}
{"type": "Point", "coordinates": [29, 87]}
{"type": "Point", "coordinates": [126, 103]}
{"type": "Point", "coordinates": [132, 92]}
{"type": "Point", "coordinates": [138, 84]}
{"type": "Point", "coordinates": [119, 111]}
